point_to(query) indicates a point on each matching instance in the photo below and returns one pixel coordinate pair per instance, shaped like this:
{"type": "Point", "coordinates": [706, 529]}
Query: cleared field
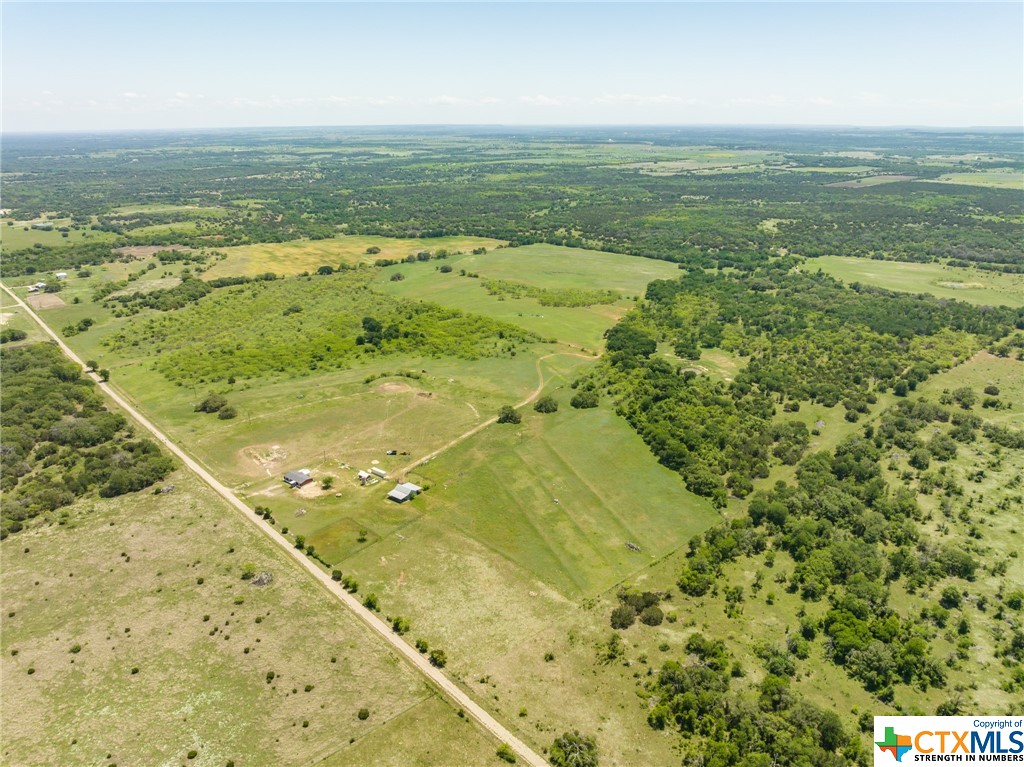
{"type": "Point", "coordinates": [707, 159]}
{"type": "Point", "coordinates": [93, 648]}
{"type": "Point", "coordinates": [1008, 179]}
{"type": "Point", "coordinates": [830, 169]}
{"type": "Point", "coordinates": [541, 266]}
{"type": "Point", "coordinates": [166, 208]}
{"type": "Point", "coordinates": [871, 181]}
{"type": "Point", "coordinates": [974, 286]}
{"type": "Point", "coordinates": [308, 255]}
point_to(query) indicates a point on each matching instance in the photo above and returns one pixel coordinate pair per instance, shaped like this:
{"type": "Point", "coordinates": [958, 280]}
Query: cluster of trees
{"type": "Point", "coordinates": [851, 536]}
{"type": "Point", "coordinates": [217, 403]}
{"type": "Point", "coordinates": [635, 604]}
{"type": "Point", "coordinates": [726, 724]}
{"type": "Point", "coordinates": [806, 337]}
{"type": "Point", "coordinates": [461, 187]}
{"type": "Point", "coordinates": [45, 258]}
{"type": "Point", "coordinates": [60, 442]}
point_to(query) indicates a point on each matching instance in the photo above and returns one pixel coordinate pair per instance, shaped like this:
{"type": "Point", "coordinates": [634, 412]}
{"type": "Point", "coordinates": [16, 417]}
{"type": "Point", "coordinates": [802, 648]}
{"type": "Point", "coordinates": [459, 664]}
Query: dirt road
{"type": "Point", "coordinates": [494, 419]}
{"type": "Point", "coordinates": [414, 658]}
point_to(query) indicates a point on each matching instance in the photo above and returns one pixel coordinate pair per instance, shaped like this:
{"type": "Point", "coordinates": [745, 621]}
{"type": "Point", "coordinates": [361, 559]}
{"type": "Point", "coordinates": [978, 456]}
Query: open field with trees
{"type": "Point", "coordinates": [974, 286]}
{"type": "Point", "coordinates": [276, 673]}
{"type": "Point", "coordinates": [309, 255]}
{"type": "Point", "coordinates": [716, 431]}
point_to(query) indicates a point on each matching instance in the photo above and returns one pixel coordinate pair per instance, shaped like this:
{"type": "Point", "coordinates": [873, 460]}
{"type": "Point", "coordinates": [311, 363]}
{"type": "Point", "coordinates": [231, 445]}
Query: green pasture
{"type": "Point", "coordinates": [982, 370]}
{"type": "Point", "coordinates": [974, 286]}
{"type": "Point", "coordinates": [104, 634]}
{"type": "Point", "coordinates": [308, 255]}
{"type": "Point", "coordinates": [562, 494]}
{"type": "Point", "coordinates": [15, 235]}
{"type": "Point", "coordinates": [157, 207]}
{"type": "Point", "coordinates": [670, 160]}
{"type": "Point", "coordinates": [998, 179]}
{"type": "Point", "coordinates": [177, 227]}
{"type": "Point", "coordinates": [496, 621]}
{"type": "Point", "coordinates": [542, 266]}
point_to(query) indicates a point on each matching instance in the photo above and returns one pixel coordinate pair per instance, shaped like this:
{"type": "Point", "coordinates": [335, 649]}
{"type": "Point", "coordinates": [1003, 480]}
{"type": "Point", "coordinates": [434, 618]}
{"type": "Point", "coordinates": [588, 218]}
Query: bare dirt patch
{"type": "Point", "coordinates": [4, 316]}
{"type": "Point", "coordinates": [391, 387]}
{"type": "Point", "coordinates": [264, 456]}
{"type": "Point", "coordinates": [312, 490]}
{"type": "Point", "coordinates": [145, 251]}
{"type": "Point", "coordinates": [45, 301]}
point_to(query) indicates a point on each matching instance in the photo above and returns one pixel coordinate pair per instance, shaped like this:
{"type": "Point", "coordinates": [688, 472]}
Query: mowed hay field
{"type": "Point", "coordinates": [308, 255]}
{"type": "Point", "coordinates": [540, 266]}
{"type": "Point", "coordinates": [974, 286]}
{"type": "Point", "coordinates": [130, 638]}
{"type": "Point", "coordinates": [562, 494]}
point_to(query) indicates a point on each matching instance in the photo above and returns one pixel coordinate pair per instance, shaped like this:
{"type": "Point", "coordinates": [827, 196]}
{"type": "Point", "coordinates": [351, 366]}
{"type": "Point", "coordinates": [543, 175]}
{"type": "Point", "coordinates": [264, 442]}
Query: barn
{"type": "Point", "coordinates": [404, 492]}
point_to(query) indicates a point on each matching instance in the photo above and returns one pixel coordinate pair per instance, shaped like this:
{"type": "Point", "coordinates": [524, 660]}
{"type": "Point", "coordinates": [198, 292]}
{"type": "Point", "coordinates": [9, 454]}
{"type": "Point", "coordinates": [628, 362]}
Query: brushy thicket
{"type": "Point", "coordinates": [570, 297]}
{"type": "Point", "coordinates": [297, 325]}
{"type": "Point", "coordinates": [60, 441]}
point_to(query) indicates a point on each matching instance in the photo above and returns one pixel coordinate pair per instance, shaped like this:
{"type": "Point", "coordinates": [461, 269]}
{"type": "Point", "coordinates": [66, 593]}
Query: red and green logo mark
{"type": "Point", "coordinates": [895, 744]}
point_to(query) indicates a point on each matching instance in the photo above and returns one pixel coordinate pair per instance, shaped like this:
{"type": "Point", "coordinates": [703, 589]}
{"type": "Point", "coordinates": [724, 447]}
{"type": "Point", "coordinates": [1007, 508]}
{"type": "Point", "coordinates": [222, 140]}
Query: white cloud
{"type": "Point", "coordinates": [541, 100]}
{"type": "Point", "coordinates": [446, 100]}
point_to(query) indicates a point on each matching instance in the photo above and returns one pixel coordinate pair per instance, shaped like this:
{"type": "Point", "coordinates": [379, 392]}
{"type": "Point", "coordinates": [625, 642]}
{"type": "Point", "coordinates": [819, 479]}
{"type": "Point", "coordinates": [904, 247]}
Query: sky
{"type": "Point", "coordinates": [126, 66]}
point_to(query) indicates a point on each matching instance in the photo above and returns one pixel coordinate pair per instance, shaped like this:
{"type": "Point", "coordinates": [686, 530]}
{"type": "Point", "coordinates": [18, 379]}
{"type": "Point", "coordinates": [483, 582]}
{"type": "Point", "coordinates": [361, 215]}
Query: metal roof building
{"type": "Point", "coordinates": [404, 492]}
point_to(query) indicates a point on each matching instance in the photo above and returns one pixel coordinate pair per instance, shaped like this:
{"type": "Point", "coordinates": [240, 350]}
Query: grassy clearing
{"type": "Point", "coordinates": [157, 207]}
{"type": "Point", "coordinates": [22, 235]}
{"type": "Point", "coordinates": [683, 159]}
{"type": "Point", "coordinates": [308, 255]}
{"type": "Point", "coordinates": [541, 266]}
{"type": "Point", "coordinates": [871, 181]}
{"type": "Point", "coordinates": [974, 286]}
{"type": "Point", "coordinates": [429, 733]}
{"type": "Point", "coordinates": [135, 578]}
{"type": "Point", "coordinates": [998, 179]}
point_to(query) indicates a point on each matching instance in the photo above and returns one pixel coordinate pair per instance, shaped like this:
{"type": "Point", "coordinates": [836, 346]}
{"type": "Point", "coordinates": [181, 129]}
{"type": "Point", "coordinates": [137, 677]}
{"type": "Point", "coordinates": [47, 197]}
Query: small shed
{"type": "Point", "coordinates": [378, 472]}
{"type": "Point", "coordinates": [363, 476]}
{"type": "Point", "coordinates": [404, 492]}
{"type": "Point", "coordinates": [298, 478]}
{"type": "Point", "coordinates": [61, 275]}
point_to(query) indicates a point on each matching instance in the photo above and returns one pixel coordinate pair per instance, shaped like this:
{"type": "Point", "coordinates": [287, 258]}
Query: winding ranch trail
{"type": "Point", "coordinates": [420, 663]}
{"type": "Point", "coordinates": [493, 419]}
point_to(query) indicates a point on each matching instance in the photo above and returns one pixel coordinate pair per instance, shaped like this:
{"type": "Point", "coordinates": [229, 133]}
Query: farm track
{"type": "Point", "coordinates": [493, 419]}
{"type": "Point", "coordinates": [407, 652]}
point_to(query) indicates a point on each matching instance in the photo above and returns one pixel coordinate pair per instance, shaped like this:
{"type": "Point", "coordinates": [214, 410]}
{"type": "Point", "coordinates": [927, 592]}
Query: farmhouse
{"type": "Point", "coordinates": [298, 478]}
{"type": "Point", "coordinates": [404, 492]}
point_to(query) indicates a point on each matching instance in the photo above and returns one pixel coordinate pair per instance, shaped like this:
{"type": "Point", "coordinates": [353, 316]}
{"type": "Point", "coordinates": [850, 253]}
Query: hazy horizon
{"type": "Point", "coordinates": [86, 67]}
